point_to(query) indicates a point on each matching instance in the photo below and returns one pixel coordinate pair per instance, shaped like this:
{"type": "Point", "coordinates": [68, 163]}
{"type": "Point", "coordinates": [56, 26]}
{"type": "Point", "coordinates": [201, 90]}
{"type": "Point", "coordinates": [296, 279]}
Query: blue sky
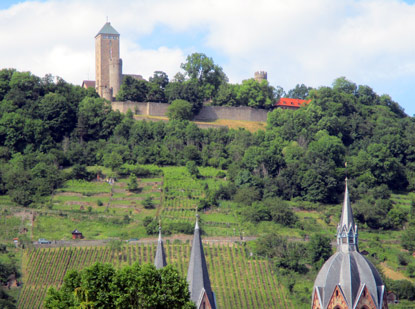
{"type": "Point", "coordinates": [370, 42]}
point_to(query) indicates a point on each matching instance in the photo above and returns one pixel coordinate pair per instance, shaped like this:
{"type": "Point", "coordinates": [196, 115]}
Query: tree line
{"type": "Point", "coordinates": [203, 81]}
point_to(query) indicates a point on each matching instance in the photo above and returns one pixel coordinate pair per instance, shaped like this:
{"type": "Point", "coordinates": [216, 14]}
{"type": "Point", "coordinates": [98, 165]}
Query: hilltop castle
{"type": "Point", "coordinates": [109, 75]}
{"type": "Point", "coordinates": [108, 64]}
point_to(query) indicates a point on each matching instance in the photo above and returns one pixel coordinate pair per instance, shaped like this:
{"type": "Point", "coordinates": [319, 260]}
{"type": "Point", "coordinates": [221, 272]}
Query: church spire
{"type": "Point", "coordinates": [197, 275]}
{"type": "Point", "coordinates": [160, 260]}
{"type": "Point", "coordinates": [347, 236]}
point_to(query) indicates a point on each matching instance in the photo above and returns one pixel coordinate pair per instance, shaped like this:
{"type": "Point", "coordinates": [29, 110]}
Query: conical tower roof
{"type": "Point", "coordinates": [107, 29]}
{"type": "Point", "coordinates": [197, 274]}
{"type": "Point", "coordinates": [160, 259]}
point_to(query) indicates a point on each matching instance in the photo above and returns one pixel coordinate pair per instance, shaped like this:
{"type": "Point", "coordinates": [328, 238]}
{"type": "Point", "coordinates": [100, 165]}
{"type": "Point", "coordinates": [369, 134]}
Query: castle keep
{"type": "Point", "coordinates": [108, 65]}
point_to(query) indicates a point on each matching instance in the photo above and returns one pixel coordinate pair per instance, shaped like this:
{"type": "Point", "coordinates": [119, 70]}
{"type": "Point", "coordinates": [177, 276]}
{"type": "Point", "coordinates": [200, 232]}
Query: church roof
{"type": "Point", "coordinates": [346, 220]}
{"type": "Point", "coordinates": [160, 259]}
{"type": "Point", "coordinates": [347, 268]}
{"type": "Point", "coordinates": [352, 272]}
{"type": "Point", "coordinates": [107, 29]}
{"type": "Point", "coordinates": [197, 274]}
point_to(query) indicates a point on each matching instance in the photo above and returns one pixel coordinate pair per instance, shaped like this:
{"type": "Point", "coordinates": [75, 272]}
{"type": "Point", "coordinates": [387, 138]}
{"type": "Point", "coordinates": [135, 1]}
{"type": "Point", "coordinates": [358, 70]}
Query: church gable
{"type": "Point", "coordinates": [365, 300]}
{"type": "Point", "coordinates": [204, 301]}
{"type": "Point", "coordinates": [337, 300]}
{"type": "Point", "coordinates": [316, 301]}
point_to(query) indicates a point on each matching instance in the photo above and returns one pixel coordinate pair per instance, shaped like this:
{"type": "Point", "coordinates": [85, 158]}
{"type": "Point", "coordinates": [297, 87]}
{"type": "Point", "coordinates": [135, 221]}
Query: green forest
{"type": "Point", "coordinates": [52, 132]}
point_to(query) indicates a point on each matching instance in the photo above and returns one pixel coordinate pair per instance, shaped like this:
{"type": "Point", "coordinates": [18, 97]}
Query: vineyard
{"type": "Point", "coordinates": [239, 281]}
{"type": "Point", "coordinates": [181, 197]}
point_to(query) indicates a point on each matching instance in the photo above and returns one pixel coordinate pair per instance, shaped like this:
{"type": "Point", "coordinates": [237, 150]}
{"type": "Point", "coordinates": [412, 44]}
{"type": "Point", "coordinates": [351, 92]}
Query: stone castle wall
{"type": "Point", "coordinates": [233, 113]}
{"type": "Point", "coordinates": [207, 113]}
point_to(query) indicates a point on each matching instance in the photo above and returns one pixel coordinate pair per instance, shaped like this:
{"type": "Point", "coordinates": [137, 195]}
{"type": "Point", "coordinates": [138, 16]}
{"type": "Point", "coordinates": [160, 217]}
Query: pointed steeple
{"type": "Point", "coordinates": [347, 235]}
{"type": "Point", "coordinates": [160, 260]}
{"type": "Point", "coordinates": [197, 275]}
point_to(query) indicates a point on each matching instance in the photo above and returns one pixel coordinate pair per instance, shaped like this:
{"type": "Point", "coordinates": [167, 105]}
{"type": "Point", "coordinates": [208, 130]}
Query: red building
{"type": "Point", "coordinates": [288, 103]}
{"type": "Point", "coordinates": [77, 234]}
{"type": "Point", "coordinates": [88, 84]}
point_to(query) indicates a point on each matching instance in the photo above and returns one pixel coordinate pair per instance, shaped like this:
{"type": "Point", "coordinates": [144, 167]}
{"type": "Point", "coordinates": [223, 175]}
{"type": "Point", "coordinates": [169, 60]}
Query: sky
{"type": "Point", "coordinates": [311, 42]}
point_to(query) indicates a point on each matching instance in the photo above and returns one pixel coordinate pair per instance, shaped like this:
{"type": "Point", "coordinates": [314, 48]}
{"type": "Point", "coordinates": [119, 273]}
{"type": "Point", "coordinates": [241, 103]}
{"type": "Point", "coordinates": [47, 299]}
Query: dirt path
{"type": "Point", "coordinates": [147, 240]}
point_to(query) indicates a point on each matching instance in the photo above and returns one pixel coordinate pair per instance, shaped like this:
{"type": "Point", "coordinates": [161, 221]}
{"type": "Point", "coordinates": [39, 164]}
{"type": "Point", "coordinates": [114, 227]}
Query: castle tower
{"type": "Point", "coordinates": [160, 260]}
{"type": "Point", "coordinates": [108, 65]}
{"type": "Point", "coordinates": [197, 275]}
{"type": "Point", "coordinates": [260, 76]}
{"type": "Point", "coordinates": [348, 279]}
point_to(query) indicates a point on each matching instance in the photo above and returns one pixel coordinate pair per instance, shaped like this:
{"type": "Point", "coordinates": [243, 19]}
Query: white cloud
{"type": "Point", "coordinates": [369, 41]}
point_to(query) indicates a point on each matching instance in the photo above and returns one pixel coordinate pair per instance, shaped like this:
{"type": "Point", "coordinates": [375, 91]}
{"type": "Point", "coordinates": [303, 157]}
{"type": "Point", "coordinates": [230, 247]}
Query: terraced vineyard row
{"type": "Point", "coordinates": [182, 193]}
{"type": "Point", "coordinates": [238, 280]}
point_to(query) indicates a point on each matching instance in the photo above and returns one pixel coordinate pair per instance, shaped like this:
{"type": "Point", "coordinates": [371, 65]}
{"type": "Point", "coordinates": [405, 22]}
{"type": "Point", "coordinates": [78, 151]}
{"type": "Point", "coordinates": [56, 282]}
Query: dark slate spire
{"type": "Point", "coordinates": [160, 260]}
{"type": "Point", "coordinates": [197, 274]}
{"type": "Point", "coordinates": [347, 235]}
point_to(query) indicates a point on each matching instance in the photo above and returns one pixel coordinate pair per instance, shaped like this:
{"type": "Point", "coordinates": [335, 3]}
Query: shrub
{"type": "Point", "coordinates": [192, 169]}
{"type": "Point", "coordinates": [408, 239]}
{"type": "Point", "coordinates": [147, 220]}
{"type": "Point", "coordinates": [411, 271]}
{"type": "Point", "coordinates": [180, 110]}
{"type": "Point", "coordinates": [247, 195]}
{"type": "Point", "coordinates": [132, 185]}
{"type": "Point", "coordinates": [148, 203]}
{"type": "Point", "coordinates": [138, 171]}
{"type": "Point", "coordinates": [79, 171]}
{"type": "Point", "coordinates": [402, 259]}
{"type": "Point", "coordinates": [403, 288]}
{"type": "Point", "coordinates": [180, 227]}
{"type": "Point", "coordinates": [126, 219]}
{"type": "Point", "coordinates": [221, 174]}
{"type": "Point", "coordinates": [151, 226]}
{"type": "Point", "coordinates": [100, 203]}
{"type": "Point", "coordinates": [225, 192]}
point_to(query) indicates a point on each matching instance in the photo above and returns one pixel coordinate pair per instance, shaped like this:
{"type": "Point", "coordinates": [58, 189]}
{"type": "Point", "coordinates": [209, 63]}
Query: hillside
{"type": "Point", "coordinates": [239, 281]}
{"type": "Point", "coordinates": [177, 206]}
{"type": "Point", "coordinates": [60, 145]}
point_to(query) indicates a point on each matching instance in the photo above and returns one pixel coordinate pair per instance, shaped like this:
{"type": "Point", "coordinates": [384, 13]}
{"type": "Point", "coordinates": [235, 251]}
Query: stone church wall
{"type": "Point", "coordinates": [208, 113]}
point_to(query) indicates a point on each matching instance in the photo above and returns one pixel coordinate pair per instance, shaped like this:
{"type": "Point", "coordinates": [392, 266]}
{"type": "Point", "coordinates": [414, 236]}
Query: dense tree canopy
{"type": "Point", "coordinates": [136, 286]}
{"type": "Point", "coordinates": [300, 155]}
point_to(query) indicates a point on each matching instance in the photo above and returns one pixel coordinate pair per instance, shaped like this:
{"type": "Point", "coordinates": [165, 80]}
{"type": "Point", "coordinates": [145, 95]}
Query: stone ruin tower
{"type": "Point", "coordinates": [108, 65]}
{"type": "Point", "coordinates": [260, 76]}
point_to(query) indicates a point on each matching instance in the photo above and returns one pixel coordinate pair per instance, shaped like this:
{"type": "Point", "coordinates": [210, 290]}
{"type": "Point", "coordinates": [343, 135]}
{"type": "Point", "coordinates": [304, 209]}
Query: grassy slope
{"type": "Point", "coordinates": [251, 126]}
